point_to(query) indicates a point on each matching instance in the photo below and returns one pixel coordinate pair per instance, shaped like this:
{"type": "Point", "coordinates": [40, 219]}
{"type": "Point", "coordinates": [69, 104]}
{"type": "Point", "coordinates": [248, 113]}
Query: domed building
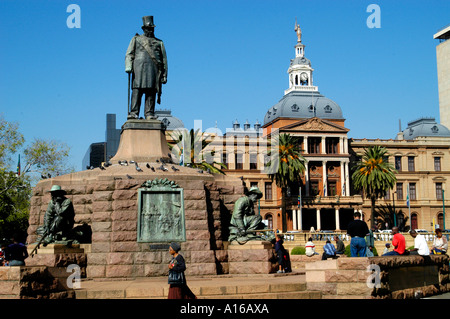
{"type": "Point", "coordinates": [302, 100]}
{"type": "Point", "coordinates": [424, 127]}
{"type": "Point", "coordinates": [170, 122]}
{"type": "Point", "coordinates": [318, 125]}
{"type": "Point", "coordinates": [419, 153]}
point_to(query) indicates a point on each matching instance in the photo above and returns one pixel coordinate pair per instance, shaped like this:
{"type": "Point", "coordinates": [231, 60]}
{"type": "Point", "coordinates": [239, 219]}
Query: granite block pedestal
{"type": "Point", "coordinates": [253, 257]}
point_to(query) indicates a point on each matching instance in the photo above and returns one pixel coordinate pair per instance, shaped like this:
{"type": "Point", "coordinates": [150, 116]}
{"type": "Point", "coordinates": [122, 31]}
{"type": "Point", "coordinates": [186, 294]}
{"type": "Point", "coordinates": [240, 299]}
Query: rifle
{"type": "Point", "coordinates": [38, 245]}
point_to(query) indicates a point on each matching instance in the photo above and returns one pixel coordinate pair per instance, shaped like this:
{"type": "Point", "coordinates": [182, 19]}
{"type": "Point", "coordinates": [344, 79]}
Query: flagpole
{"type": "Point", "coordinates": [408, 199]}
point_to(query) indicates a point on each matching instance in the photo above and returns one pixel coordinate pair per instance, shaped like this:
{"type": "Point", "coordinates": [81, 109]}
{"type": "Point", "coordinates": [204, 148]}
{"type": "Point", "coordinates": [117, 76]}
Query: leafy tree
{"type": "Point", "coordinates": [47, 158]}
{"type": "Point", "coordinates": [41, 158]}
{"type": "Point", "coordinates": [14, 205]}
{"type": "Point", "coordinates": [374, 175]}
{"type": "Point", "coordinates": [386, 214]}
{"type": "Point", "coordinates": [286, 166]}
{"type": "Point", "coordinates": [10, 141]}
{"type": "Point", "coordinates": [193, 146]}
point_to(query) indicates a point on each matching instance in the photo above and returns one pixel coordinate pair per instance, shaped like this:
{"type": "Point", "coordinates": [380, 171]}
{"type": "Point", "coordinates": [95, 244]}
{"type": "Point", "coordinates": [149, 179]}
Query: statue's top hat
{"type": "Point", "coordinates": [148, 22]}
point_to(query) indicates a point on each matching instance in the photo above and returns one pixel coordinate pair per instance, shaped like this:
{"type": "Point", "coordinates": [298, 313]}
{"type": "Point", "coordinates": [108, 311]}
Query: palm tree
{"type": "Point", "coordinates": [286, 167]}
{"type": "Point", "coordinates": [193, 145]}
{"type": "Point", "coordinates": [374, 175]}
{"type": "Point", "coordinates": [387, 214]}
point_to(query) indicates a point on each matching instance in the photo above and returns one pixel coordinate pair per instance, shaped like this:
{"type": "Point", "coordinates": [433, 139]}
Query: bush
{"type": "Point", "coordinates": [298, 250]}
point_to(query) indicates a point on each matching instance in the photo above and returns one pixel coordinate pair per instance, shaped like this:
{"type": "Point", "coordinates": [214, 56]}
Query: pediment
{"type": "Point", "coordinates": [315, 124]}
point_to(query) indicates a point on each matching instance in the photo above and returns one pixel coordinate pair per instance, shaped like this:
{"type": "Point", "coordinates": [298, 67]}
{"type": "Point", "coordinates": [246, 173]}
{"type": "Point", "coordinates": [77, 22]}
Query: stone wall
{"type": "Point", "coordinates": [32, 282]}
{"type": "Point", "coordinates": [345, 278]}
{"type": "Point", "coordinates": [107, 200]}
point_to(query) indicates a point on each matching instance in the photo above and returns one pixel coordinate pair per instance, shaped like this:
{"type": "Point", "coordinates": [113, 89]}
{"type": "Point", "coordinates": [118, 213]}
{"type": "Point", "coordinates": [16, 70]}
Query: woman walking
{"type": "Point", "coordinates": [178, 288]}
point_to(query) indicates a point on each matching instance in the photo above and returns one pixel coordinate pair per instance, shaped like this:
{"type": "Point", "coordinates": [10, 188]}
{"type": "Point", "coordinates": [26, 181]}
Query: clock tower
{"type": "Point", "coordinates": [300, 70]}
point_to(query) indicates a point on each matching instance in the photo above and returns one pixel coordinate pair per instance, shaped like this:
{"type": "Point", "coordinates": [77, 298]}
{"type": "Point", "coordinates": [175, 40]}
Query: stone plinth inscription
{"type": "Point", "coordinates": [160, 212]}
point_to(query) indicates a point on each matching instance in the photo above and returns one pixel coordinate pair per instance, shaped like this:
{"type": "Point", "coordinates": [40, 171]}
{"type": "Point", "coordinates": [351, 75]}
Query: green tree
{"type": "Point", "coordinates": [10, 141]}
{"type": "Point", "coordinates": [193, 146]}
{"type": "Point", "coordinates": [47, 158]}
{"type": "Point", "coordinates": [14, 205]}
{"type": "Point", "coordinates": [374, 175]}
{"type": "Point", "coordinates": [41, 158]}
{"type": "Point", "coordinates": [286, 166]}
{"type": "Point", "coordinates": [386, 214]}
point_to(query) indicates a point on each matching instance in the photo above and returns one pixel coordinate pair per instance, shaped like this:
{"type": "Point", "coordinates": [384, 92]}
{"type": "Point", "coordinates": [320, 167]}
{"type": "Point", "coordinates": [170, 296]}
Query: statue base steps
{"type": "Point", "coordinates": [253, 257]}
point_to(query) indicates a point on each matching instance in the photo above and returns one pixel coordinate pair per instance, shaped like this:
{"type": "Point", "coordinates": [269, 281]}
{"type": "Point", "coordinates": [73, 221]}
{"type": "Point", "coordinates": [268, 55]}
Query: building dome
{"type": "Point", "coordinates": [425, 127]}
{"type": "Point", "coordinates": [302, 99]}
{"type": "Point", "coordinates": [300, 61]}
{"type": "Point", "coordinates": [171, 122]}
{"type": "Point", "coordinates": [304, 105]}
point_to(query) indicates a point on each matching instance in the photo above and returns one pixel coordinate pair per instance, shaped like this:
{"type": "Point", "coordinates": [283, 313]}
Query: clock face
{"type": "Point", "coordinates": [303, 76]}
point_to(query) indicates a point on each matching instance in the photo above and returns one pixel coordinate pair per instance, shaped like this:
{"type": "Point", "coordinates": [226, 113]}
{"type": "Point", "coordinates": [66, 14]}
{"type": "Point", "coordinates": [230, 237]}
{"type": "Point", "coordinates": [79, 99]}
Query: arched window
{"type": "Point", "coordinates": [269, 219]}
{"type": "Point", "coordinates": [414, 221]}
{"type": "Point", "coordinates": [440, 220]}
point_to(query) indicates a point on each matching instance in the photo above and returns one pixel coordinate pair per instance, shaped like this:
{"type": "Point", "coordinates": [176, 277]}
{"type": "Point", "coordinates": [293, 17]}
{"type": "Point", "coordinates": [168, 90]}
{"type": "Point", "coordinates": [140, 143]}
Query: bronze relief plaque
{"type": "Point", "coordinates": [160, 212]}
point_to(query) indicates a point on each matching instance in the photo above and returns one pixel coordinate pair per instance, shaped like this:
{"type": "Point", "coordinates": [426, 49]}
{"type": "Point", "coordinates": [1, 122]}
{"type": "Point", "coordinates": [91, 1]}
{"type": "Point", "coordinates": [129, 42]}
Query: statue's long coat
{"type": "Point", "coordinates": [146, 74]}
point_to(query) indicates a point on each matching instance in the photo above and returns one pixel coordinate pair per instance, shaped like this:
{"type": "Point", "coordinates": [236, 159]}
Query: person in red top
{"type": "Point", "coordinates": [398, 242]}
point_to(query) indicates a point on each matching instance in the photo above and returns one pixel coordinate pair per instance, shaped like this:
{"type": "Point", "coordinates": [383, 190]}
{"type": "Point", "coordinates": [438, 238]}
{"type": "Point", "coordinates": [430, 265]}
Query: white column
{"type": "Point", "coordinates": [306, 179]}
{"type": "Point", "coordinates": [323, 145]}
{"type": "Point", "coordinates": [294, 219]}
{"type": "Point", "coordinates": [341, 145]}
{"type": "Point", "coordinates": [347, 180]}
{"type": "Point", "coordinates": [343, 181]}
{"type": "Point", "coordinates": [318, 219]}
{"type": "Point", "coordinates": [345, 145]}
{"type": "Point", "coordinates": [338, 226]}
{"type": "Point", "coordinates": [324, 178]}
{"type": "Point", "coordinates": [299, 219]}
{"type": "Point", "coordinates": [305, 143]}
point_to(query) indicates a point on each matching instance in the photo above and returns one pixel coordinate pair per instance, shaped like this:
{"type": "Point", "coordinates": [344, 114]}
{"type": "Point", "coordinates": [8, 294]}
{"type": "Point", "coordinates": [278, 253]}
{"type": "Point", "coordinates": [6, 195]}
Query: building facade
{"type": "Point", "coordinates": [325, 198]}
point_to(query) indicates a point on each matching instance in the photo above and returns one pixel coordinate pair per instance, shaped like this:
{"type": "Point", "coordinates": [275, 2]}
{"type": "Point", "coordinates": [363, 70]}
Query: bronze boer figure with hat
{"type": "Point", "coordinates": [244, 223]}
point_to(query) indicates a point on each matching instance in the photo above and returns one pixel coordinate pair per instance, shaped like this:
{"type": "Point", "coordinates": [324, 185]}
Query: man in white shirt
{"type": "Point", "coordinates": [310, 248]}
{"type": "Point", "coordinates": [420, 244]}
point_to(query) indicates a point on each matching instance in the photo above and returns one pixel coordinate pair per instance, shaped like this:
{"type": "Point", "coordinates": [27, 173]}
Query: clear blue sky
{"type": "Point", "coordinates": [227, 60]}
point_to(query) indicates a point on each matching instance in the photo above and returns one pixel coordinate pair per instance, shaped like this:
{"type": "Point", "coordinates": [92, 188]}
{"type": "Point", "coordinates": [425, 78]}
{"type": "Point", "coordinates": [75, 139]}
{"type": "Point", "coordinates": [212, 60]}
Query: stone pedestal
{"type": "Point", "coordinates": [108, 201]}
{"type": "Point", "coordinates": [142, 141]}
{"type": "Point", "coordinates": [253, 257]}
{"type": "Point", "coordinates": [58, 257]}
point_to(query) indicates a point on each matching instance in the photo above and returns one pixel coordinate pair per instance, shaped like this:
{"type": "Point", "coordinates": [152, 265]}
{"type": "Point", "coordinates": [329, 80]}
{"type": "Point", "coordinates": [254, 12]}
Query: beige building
{"type": "Point", "coordinates": [443, 73]}
{"type": "Point", "coordinates": [324, 199]}
{"type": "Point", "coordinates": [421, 156]}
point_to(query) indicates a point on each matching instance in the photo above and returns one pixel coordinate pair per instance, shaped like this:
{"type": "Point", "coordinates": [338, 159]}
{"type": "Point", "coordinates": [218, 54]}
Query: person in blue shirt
{"type": "Point", "coordinates": [329, 251]}
{"type": "Point", "coordinates": [16, 253]}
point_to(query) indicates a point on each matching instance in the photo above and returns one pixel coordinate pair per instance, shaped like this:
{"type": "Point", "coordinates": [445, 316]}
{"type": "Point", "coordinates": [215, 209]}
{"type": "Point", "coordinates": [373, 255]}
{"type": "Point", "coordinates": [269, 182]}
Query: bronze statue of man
{"type": "Point", "coordinates": [146, 60]}
{"type": "Point", "coordinates": [59, 218]}
{"type": "Point", "coordinates": [244, 222]}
